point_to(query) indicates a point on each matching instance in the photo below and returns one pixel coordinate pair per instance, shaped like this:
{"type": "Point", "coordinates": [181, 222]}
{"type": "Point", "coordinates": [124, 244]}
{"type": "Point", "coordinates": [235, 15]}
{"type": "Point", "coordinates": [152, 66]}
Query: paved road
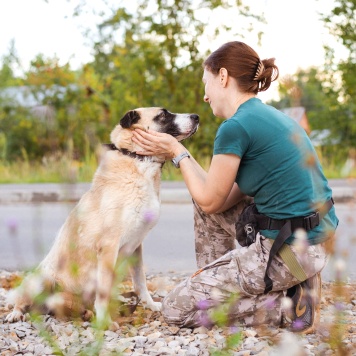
{"type": "Point", "coordinates": [171, 192]}
{"type": "Point", "coordinates": [27, 231]}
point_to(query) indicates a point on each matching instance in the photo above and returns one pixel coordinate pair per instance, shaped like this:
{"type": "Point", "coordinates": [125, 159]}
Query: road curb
{"type": "Point", "coordinates": [171, 192]}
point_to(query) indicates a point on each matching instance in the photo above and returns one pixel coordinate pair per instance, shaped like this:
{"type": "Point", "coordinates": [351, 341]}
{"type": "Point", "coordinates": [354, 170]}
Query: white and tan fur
{"type": "Point", "coordinates": [109, 222]}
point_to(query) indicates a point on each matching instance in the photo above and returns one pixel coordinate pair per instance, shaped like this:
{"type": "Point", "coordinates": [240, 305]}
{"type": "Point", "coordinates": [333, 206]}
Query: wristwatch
{"type": "Point", "coordinates": [177, 159]}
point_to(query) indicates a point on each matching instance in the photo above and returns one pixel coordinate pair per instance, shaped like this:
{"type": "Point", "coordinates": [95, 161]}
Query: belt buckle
{"type": "Point", "coordinates": [309, 219]}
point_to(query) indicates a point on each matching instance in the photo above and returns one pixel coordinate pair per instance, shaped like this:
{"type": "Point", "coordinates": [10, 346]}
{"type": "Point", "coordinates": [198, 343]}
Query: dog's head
{"type": "Point", "coordinates": [181, 126]}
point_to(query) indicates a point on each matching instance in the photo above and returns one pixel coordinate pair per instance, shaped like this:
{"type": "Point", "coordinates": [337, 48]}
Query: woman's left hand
{"type": "Point", "coordinates": [155, 143]}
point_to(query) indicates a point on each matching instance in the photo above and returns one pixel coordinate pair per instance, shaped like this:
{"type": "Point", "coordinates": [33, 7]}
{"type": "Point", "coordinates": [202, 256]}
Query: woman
{"type": "Point", "coordinates": [258, 152]}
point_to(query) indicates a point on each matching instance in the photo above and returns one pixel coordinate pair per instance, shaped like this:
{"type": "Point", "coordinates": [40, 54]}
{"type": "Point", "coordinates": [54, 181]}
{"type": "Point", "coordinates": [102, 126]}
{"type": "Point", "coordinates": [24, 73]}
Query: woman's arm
{"type": "Point", "coordinates": [234, 197]}
{"type": "Point", "coordinates": [215, 190]}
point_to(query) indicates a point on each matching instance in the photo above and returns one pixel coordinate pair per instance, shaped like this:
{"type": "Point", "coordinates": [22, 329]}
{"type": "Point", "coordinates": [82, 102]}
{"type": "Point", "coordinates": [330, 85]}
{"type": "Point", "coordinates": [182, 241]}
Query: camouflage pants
{"type": "Point", "coordinates": [231, 276]}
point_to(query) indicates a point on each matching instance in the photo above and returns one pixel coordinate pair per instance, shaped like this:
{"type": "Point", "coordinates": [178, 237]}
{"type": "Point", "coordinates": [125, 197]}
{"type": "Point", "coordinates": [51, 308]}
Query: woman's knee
{"type": "Point", "coordinates": [179, 307]}
{"type": "Point", "coordinates": [176, 307]}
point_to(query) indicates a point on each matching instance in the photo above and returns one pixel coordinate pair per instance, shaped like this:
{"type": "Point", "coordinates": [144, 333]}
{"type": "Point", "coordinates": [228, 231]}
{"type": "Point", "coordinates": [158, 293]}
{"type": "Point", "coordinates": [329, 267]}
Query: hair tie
{"type": "Point", "coordinates": [259, 70]}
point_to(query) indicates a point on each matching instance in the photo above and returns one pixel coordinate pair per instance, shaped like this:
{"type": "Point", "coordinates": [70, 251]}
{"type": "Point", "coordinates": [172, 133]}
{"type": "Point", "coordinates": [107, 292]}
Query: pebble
{"type": "Point", "coordinates": [153, 336]}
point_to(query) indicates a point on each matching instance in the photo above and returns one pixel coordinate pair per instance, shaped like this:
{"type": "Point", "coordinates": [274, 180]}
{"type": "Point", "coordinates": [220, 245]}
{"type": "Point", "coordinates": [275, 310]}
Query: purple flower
{"type": "Point", "coordinates": [203, 304]}
{"type": "Point", "coordinates": [12, 225]}
{"type": "Point", "coordinates": [233, 330]}
{"type": "Point", "coordinates": [339, 306]}
{"type": "Point", "coordinates": [270, 303]}
{"type": "Point", "coordinates": [149, 216]}
{"type": "Point", "coordinates": [205, 320]}
{"type": "Point", "coordinates": [298, 324]}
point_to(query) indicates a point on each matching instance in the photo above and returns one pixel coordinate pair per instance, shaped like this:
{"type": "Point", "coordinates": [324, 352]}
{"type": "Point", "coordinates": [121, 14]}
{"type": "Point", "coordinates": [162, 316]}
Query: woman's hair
{"type": "Point", "coordinates": [243, 63]}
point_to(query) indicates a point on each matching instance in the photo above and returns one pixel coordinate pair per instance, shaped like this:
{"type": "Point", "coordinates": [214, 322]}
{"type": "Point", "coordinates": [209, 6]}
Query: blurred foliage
{"type": "Point", "coordinates": [146, 58]}
{"type": "Point", "coordinates": [151, 57]}
{"type": "Point", "coordinates": [328, 93]}
{"type": "Point", "coordinates": [341, 74]}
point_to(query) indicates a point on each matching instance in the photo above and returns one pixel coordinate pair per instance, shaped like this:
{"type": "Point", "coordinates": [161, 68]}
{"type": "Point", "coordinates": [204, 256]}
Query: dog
{"type": "Point", "coordinates": [108, 224]}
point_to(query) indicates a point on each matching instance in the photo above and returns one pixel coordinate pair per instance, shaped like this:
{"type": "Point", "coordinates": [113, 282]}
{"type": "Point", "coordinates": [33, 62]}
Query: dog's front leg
{"type": "Point", "coordinates": [107, 256]}
{"type": "Point", "coordinates": [139, 281]}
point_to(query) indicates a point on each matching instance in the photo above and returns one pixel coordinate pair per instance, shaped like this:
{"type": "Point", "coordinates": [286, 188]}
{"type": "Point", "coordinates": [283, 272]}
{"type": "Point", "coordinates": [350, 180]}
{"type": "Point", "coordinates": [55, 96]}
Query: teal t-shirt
{"type": "Point", "coordinates": [279, 166]}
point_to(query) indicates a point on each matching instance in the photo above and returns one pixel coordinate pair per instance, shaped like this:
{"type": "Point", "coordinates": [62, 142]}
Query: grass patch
{"type": "Point", "coordinates": [48, 171]}
{"type": "Point", "coordinates": [61, 168]}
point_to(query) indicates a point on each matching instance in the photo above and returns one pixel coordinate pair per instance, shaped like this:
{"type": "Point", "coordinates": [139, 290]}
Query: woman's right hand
{"type": "Point", "coordinates": [156, 143]}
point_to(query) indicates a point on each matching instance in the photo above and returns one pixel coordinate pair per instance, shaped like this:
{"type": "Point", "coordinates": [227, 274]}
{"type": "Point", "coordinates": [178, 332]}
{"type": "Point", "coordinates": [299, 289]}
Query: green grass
{"type": "Point", "coordinates": [53, 171]}
{"type": "Point", "coordinates": [62, 169]}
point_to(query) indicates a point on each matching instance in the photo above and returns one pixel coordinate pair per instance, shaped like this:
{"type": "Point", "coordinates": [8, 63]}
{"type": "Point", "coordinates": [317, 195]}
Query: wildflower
{"type": "Point", "coordinates": [301, 241]}
{"type": "Point", "coordinates": [233, 330]}
{"type": "Point", "coordinates": [298, 324]}
{"type": "Point", "coordinates": [340, 267]}
{"type": "Point", "coordinates": [270, 303]}
{"type": "Point", "coordinates": [286, 303]}
{"type": "Point", "coordinates": [149, 216]}
{"type": "Point", "coordinates": [339, 306]}
{"type": "Point", "coordinates": [205, 320]}
{"type": "Point", "coordinates": [12, 225]}
{"type": "Point", "coordinates": [55, 302]}
{"type": "Point", "coordinates": [33, 286]}
{"type": "Point", "coordinates": [203, 304]}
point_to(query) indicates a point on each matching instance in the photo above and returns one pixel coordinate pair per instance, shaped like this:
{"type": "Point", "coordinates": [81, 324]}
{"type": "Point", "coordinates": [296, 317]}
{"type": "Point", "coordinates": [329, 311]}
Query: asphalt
{"type": "Point", "coordinates": [344, 190]}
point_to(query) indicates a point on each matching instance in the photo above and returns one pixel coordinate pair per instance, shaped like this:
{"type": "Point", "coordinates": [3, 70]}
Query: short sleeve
{"type": "Point", "coordinates": [231, 138]}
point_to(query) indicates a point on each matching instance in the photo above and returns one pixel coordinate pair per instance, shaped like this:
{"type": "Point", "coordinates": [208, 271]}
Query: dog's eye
{"type": "Point", "coordinates": [161, 116]}
{"type": "Point", "coordinates": [164, 116]}
{"type": "Point", "coordinates": [164, 113]}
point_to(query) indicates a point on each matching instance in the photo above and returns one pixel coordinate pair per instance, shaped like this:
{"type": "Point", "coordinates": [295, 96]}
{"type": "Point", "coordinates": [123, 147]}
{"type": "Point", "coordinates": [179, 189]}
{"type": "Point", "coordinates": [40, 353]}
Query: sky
{"type": "Point", "coordinates": [294, 34]}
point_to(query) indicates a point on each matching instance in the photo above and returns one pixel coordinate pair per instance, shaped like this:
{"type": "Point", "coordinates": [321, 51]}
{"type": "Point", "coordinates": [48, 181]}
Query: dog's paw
{"type": "Point", "coordinates": [155, 306]}
{"type": "Point", "coordinates": [15, 316]}
{"type": "Point", "coordinates": [87, 315]}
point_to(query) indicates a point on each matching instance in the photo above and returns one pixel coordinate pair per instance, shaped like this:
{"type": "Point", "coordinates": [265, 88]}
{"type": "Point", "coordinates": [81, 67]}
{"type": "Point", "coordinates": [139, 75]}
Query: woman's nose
{"type": "Point", "coordinates": [206, 99]}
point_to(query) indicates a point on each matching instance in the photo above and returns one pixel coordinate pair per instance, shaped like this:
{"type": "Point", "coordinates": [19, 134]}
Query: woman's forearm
{"type": "Point", "coordinates": [210, 190]}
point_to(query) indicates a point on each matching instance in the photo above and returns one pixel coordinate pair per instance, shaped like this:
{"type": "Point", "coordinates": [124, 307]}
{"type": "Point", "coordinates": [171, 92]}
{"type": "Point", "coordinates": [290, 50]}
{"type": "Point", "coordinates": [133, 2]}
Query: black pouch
{"type": "Point", "coordinates": [246, 226]}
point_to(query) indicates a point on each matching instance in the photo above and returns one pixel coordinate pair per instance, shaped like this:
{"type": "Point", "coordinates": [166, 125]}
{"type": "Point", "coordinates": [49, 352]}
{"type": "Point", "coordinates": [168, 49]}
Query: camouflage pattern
{"type": "Point", "coordinates": [228, 270]}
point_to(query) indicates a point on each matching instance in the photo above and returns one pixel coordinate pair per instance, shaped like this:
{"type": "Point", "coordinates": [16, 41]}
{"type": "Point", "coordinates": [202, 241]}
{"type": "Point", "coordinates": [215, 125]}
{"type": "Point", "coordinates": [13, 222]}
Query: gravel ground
{"type": "Point", "coordinates": [143, 332]}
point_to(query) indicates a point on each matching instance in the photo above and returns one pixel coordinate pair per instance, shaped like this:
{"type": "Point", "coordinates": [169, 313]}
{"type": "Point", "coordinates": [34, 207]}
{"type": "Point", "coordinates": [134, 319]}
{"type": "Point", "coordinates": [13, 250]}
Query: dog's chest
{"type": "Point", "coordinates": [141, 208]}
{"type": "Point", "coordinates": [139, 217]}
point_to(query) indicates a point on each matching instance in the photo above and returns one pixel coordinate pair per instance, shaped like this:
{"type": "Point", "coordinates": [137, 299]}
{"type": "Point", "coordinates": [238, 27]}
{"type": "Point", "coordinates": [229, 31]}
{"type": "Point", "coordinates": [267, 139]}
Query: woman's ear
{"type": "Point", "coordinates": [223, 76]}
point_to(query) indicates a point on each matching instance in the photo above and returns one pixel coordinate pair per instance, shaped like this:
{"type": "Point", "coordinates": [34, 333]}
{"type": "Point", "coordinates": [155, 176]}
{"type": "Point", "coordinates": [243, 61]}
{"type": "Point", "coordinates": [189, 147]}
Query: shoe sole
{"type": "Point", "coordinates": [316, 319]}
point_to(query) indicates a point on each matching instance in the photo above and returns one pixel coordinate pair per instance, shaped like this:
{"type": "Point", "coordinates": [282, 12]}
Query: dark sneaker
{"type": "Point", "coordinates": [305, 311]}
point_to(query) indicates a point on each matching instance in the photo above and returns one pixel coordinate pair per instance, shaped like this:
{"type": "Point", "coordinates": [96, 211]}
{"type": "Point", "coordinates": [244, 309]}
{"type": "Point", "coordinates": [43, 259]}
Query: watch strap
{"type": "Point", "coordinates": [177, 159]}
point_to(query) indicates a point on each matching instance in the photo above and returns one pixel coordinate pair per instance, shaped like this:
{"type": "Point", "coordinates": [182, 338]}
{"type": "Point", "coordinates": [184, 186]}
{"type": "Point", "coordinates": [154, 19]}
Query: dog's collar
{"type": "Point", "coordinates": [124, 151]}
{"type": "Point", "coordinates": [131, 154]}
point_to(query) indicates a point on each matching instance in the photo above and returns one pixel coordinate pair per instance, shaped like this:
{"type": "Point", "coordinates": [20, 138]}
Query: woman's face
{"type": "Point", "coordinates": [213, 92]}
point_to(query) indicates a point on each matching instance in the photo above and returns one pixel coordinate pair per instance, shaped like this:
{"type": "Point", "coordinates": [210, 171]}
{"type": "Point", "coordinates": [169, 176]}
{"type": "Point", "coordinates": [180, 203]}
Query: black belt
{"type": "Point", "coordinates": [286, 228]}
{"type": "Point", "coordinates": [306, 222]}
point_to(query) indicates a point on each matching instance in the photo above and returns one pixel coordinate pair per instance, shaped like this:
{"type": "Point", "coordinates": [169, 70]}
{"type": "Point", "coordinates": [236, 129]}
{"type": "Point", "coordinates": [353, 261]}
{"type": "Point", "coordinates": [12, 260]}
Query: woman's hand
{"type": "Point", "coordinates": [155, 143]}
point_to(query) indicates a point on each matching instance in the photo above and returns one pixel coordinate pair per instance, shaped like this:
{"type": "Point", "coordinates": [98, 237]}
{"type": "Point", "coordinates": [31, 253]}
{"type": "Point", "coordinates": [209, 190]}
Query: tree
{"type": "Point", "coordinates": [342, 25]}
{"type": "Point", "coordinates": [10, 62]}
{"type": "Point", "coordinates": [306, 88]}
{"type": "Point", "coordinates": [53, 111]}
{"type": "Point", "coordinates": [152, 57]}
{"type": "Point", "coordinates": [147, 57]}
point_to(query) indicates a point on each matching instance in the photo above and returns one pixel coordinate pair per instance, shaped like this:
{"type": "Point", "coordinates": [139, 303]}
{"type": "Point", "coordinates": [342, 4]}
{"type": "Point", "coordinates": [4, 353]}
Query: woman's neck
{"type": "Point", "coordinates": [235, 102]}
{"type": "Point", "coordinates": [242, 99]}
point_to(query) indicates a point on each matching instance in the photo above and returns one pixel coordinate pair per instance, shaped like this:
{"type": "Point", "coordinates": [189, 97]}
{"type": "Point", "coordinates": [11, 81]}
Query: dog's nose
{"type": "Point", "coordinates": [195, 117]}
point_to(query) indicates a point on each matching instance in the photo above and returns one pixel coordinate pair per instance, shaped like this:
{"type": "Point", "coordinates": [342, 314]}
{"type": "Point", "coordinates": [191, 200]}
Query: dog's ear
{"type": "Point", "coordinates": [130, 118]}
